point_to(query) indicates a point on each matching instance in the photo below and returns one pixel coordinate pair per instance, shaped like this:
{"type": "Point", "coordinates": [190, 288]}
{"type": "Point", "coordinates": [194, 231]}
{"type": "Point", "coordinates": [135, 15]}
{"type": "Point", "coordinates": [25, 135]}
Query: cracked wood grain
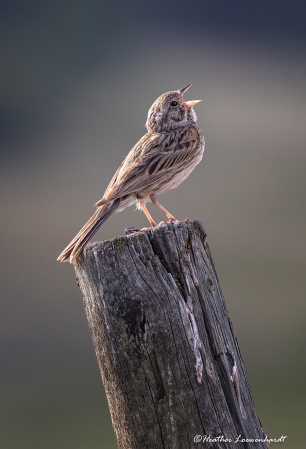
{"type": "Point", "coordinates": [168, 356]}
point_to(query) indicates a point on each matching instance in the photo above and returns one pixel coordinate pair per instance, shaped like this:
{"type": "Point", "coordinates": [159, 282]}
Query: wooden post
{"type": "Point", "coordinates": [165, 345]}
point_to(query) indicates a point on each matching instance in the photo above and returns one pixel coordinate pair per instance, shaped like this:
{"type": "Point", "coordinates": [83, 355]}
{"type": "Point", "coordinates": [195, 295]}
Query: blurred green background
{"type": "Point", "coordinates": [77, 79]}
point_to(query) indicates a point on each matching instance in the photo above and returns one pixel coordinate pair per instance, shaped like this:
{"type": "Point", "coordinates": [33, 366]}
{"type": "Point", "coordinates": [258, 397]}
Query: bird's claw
{"type": "Point", "coordinates": [174, 221]}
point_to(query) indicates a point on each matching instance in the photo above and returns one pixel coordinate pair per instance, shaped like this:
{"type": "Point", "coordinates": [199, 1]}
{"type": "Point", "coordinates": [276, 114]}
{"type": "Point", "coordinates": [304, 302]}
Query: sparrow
{"type": "Point", "coordinates": [162, 159]}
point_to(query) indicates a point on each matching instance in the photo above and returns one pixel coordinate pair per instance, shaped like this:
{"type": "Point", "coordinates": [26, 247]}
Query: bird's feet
{"type": "Point", "coordinates": [174, 221]}
{"type": "Point", "coordinates": [187, 219]}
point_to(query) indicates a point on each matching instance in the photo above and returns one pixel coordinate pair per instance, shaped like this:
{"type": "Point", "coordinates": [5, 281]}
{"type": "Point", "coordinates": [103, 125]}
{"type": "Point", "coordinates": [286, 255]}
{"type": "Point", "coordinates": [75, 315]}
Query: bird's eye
{"type": "Point", "coordinates": [173, 103]}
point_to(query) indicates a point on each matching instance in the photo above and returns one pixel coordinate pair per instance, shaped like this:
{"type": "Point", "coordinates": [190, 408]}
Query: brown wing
{"type": "Point", "coordinates": [131, 164]}
{"type": "Point", "coordinates": [150, 160]}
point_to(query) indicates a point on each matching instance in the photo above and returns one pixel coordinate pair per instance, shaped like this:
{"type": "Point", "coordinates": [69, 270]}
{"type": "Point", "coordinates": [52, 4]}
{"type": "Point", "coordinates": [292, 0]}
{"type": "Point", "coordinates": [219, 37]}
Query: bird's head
{"type": "Point", "coordinates": [170, 111]}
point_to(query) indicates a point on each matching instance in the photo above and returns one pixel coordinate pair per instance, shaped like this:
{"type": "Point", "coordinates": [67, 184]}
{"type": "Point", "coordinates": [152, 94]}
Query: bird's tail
{"type": "Point", "coordinates": [76, 245]}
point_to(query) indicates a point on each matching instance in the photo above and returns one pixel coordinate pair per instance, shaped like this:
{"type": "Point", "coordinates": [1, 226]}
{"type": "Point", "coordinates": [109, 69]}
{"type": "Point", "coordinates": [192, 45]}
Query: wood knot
{"type": "Point", "coordinates": [209, 284]}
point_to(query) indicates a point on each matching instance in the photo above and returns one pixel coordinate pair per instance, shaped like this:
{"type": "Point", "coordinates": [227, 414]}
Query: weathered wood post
{"type": "Point", "coordinates": [165, 345]}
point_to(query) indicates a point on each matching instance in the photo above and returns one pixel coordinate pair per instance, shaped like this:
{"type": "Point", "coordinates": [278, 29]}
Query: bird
{"type": "Point", "coordinates": [162, 159]}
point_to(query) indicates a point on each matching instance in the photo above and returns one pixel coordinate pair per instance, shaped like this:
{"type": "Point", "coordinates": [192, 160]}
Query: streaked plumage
{"type": "Point", "coordinates": [159, 162]}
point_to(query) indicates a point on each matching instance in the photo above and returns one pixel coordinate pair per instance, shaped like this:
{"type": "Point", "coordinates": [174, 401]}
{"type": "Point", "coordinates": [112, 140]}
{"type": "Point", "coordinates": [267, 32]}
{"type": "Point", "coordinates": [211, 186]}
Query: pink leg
{"type": "Point", "coordinates": [154, 201]}
{"type": "Point", "coordinates": [145, 210]}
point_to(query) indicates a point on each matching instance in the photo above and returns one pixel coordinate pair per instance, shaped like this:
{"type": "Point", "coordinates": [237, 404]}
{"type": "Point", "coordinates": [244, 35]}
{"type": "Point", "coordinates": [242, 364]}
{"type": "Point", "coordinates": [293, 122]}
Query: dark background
{"type": "Point", "coordinates": [77, 79]}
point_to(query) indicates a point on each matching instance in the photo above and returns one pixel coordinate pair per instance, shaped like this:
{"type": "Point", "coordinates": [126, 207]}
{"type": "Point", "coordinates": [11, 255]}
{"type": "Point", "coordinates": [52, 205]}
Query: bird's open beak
{"type": "Point", "coordinates": [189, 104]}
{"type": "Point", "coordinates": [183, 90]}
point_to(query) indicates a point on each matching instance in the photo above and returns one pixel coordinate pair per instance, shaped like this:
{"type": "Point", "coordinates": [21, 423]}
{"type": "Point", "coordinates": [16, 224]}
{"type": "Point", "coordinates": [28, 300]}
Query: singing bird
{"type": "Point", "coordinates": [159, 162]}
